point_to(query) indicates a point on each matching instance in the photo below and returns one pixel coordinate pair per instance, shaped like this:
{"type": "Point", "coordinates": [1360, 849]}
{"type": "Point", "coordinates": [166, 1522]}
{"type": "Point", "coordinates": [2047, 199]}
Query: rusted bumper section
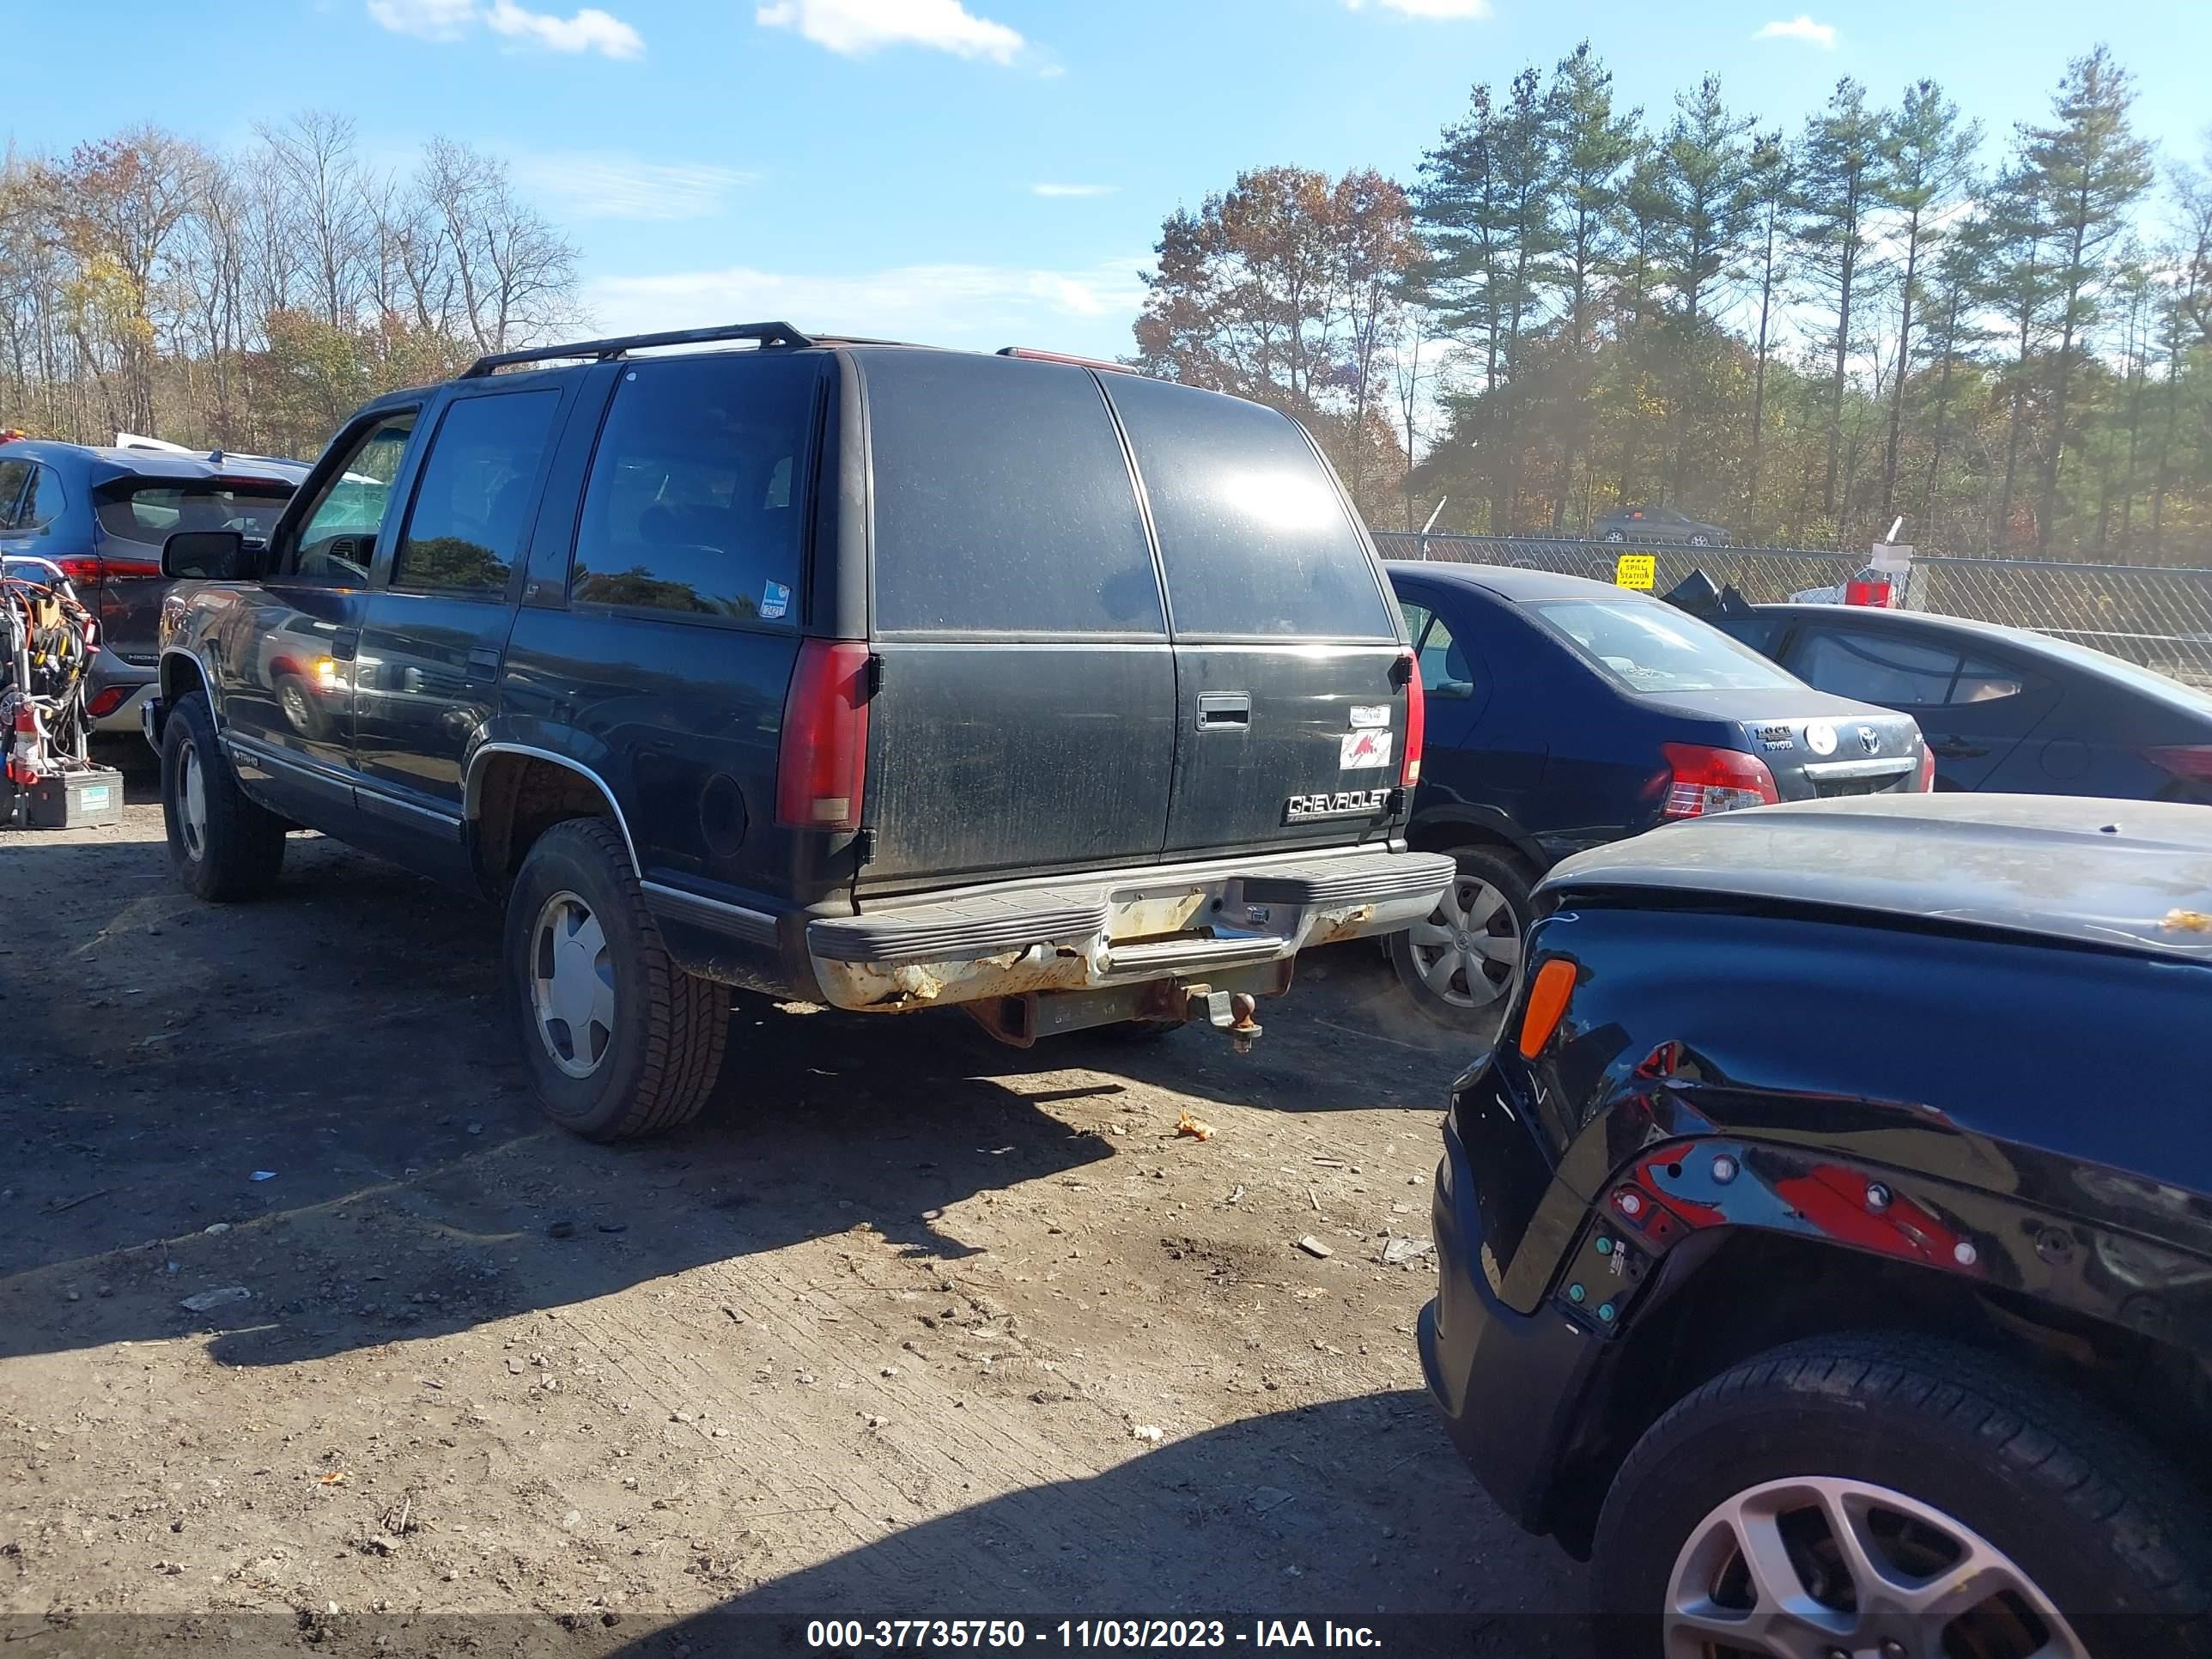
{"type": "Point", "coordinates": [1180, 923]}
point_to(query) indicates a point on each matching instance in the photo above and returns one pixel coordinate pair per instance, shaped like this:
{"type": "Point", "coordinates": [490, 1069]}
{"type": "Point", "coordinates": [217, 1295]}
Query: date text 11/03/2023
{"type": "Point", "coordinates": [856, 1635]}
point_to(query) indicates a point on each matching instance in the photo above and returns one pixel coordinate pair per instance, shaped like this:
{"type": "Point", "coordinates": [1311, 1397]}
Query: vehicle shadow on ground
{"type": "Point", "coordinates": [1350, 1511]}
{"type": "Point", "coordinates": [327, 1080]}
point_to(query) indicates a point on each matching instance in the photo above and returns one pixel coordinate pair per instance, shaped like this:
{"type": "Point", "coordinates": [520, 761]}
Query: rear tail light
{"type": "Point", "coordinates": [1703, 781]}
{"type": "Point", "coordinates": [1927, 770]}
{"type": "Point", "coordinates": [822, 762]}
{"type": "Point", "coordinates": [1416, 723]}
{"type": "Point", "coordinates": [107, 701]}
{"type": "Point", "coordinates": [2191, 761]}
{"type": "Point", "coordinates": [1547, 1004]}
{"type": "Point", "coordinates": [84, 571]}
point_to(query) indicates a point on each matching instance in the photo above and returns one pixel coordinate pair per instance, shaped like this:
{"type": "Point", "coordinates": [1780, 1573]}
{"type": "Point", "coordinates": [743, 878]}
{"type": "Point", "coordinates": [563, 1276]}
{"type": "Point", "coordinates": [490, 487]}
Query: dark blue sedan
{"type": "Point", "coordinates": [1563, 714]}
{"type": "Point", "coordinates": [2005, 710]}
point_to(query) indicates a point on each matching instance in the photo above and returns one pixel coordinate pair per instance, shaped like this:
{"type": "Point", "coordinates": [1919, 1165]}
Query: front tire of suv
{"type": "Point", "coordinates": [1461, 965]}
{"type": "Point", "coordinates": [1891, 1494]}
{"type": "Point", "coordinates": [619, 1040]}
{"type": "Point", "coordinates": [224, 846]}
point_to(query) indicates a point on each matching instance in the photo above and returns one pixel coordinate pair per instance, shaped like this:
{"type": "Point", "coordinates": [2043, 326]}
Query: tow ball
{"type": "Point", "coordinates": [1232, 1011]}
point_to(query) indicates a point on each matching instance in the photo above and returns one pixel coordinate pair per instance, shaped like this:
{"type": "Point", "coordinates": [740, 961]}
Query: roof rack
{"type": "Point", "coordinates": [768, 334]}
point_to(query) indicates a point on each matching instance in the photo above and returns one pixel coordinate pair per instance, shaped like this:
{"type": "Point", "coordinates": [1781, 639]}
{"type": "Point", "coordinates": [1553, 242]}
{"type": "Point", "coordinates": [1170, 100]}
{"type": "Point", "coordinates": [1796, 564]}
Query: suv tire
{"type": "Point", "coordinates": [1478, 976]}
{"type": "Point", "coordinates": [619, 1040]}
{"type": "Point", "coordinates": [1922, 1440]}
{"type": "Point", "coordinates": [224, 846]}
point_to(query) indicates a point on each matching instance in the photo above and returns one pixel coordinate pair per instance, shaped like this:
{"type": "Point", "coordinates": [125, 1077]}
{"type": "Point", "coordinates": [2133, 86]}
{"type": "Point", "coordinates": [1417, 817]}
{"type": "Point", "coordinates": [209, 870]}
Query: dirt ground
{"type": "Point", "coordinates": [909, 1324]}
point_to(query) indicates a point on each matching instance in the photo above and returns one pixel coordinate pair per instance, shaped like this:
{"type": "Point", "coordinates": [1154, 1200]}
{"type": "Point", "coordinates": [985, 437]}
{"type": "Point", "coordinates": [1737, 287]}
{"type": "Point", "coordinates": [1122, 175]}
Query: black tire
{"type": "Point", "coordinates": [2099, 1524]}
{"type": "Point", "coordinates": [234, 850]}
{"type": "Point", "coordinates": [661, 1050]}
{"type": "Point", "coordinates": [1506, 874]}
{"type": "Point", "coordinates": [1616, 536]}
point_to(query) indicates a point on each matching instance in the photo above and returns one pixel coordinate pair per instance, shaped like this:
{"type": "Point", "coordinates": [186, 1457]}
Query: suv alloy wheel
{"type": "Point", "coordinates": [618, 1040]}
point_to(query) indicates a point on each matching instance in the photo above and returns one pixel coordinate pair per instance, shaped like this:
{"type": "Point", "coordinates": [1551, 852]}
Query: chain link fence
{"type": "Point", "coordinates": [2157, 616]}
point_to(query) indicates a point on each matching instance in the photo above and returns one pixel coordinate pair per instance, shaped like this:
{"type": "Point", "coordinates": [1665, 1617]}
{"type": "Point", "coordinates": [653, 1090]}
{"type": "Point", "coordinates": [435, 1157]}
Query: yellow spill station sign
{"type": "Point", "coordinates": [1636, 570]}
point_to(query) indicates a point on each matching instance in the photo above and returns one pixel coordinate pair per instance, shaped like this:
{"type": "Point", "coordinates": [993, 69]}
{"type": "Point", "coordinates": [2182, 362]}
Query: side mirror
{"type": "Point", "coordinates": [211, 555]}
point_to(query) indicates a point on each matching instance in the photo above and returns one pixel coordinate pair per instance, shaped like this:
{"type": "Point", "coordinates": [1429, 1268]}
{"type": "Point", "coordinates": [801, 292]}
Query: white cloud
{"type": "Point", "coordinates": [959, 305]}
{"type": "Point", "coordinates": [1428, 7]}
{"type": "Point", "coordinates": [589, 30]}
{"type": "Point", "coordinates": [1800, 27]}
{"type": "Point", "coordinates": [611, 185]}
{"type": "Point", "coordinates": [856, 27]}
{"type": "Point", "coordinates": [433, 19]}
{"type": "Point", "coordinates": [1073, 189]}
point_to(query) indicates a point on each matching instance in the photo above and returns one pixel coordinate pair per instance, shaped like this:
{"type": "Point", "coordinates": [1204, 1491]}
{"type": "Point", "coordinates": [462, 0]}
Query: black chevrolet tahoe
{"type": "Point", "coordinates": [1827, 1250]}
{"type": "Point", "coordinates": [883, 676]}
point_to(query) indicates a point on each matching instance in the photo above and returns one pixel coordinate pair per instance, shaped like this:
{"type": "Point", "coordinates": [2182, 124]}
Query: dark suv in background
{"type": "Point", "coordinates": [886, 677]}
{"type": "Point", "coordinates": [102, 515]}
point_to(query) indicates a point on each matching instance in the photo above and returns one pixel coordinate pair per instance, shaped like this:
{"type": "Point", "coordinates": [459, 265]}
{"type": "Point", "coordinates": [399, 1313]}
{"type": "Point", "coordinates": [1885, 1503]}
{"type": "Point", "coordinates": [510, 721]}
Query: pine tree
{"type": "Point", "coordinates": [2089, 170]}
{"type": "Point", "coordinates": [1841, 177]}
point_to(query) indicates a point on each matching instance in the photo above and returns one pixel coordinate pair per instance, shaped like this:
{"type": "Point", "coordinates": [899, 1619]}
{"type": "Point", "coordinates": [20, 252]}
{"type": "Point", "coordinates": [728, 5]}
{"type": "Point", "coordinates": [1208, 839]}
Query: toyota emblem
{"type": "Point", "coordinates": [1869, 739]}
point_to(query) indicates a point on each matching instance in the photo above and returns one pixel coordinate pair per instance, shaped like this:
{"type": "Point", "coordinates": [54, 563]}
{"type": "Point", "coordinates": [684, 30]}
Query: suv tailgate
{"type": "Point", "coordinates": [1291, 702]}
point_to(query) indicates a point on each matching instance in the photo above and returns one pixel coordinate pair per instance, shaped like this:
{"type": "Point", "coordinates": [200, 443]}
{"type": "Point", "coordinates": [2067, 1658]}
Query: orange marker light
{"type": "Point", "coordinates": [1547, 1004]}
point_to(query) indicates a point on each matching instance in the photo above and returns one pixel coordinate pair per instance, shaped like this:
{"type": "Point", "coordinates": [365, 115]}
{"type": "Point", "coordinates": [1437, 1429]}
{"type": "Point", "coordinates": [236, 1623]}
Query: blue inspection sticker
{"type": "Point", "coordinates": [776, 600]}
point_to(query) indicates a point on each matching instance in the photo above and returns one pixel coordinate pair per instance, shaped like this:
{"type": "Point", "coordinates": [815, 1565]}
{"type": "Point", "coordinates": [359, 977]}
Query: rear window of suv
{"type": "Point", "coordinates": [1003, 503]}
{"type": "Point", "coordinates": [1255, 534]}
{"type": "Point", "coordinates": [151, 510]}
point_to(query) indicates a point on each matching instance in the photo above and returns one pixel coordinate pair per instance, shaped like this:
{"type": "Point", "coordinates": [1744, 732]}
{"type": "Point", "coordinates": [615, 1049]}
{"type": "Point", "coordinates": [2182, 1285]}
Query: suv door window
{"type": "Point", "coordinates": [1253, 532]}
{"type": "Point", "coordinates": [473, 497]}
{"type": "Point", "coordinates": [338, 540]}
{"type": "Point", "coordinates": [1894, 673]}
{"type": "Point", "coordinates": [696, 499]}
{"type": "Point", "coordinates": [1003, 502]}
{"type": "Point", "coordinates": [12, 475]}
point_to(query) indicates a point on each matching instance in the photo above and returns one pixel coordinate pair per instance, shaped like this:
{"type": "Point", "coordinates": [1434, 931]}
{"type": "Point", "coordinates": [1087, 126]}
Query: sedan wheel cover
{"type": "Point", "coordinates": [192, 801]}
{"type": "Point", "coordinates": [1815, 1566]}
{"type": "Point", "coordinates": [1469, 948]}
{"type": "Point", "coordinates": [571, 984]}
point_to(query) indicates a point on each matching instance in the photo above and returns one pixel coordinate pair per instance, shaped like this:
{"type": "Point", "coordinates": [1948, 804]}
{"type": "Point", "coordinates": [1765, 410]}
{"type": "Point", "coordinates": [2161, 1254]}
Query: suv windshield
{"type": "Point", "coordinates": [150, 510]}
{"type": "Point", "coordinates": [1643, 646]}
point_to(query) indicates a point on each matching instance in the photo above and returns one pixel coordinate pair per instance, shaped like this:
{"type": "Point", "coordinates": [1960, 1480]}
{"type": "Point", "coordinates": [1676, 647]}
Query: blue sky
{"type": "Point", "coordinates": [979, 171]}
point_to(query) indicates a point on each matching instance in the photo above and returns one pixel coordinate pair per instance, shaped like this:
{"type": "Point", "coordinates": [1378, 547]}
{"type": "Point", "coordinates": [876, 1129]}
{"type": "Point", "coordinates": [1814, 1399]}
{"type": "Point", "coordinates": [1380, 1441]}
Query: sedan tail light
{"type": "Point", "coordinates": [1927, 771]}
{"type": "Point", "coordinates": [2192, 761]}
{"type": "Point", "coordinates": [822, 760]}
{"type": "Point", "coordinates": [1703, 781]}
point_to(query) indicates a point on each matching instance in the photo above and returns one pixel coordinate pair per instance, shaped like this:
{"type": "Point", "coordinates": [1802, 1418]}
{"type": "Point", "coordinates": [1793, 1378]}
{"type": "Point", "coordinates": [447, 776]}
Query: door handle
{"type": "Point", "coordinates": [1219, 711]}
{"type": "Point", "coordinates": [483, 664]}
{"type": "Point", "coordinates": [344, 642]}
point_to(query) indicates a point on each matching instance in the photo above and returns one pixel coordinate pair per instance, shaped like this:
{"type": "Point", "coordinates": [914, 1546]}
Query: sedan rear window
{"type": "Point", "coordinates": [151, 510]}
{"type": "Point", "coordinates": [1644, 646]}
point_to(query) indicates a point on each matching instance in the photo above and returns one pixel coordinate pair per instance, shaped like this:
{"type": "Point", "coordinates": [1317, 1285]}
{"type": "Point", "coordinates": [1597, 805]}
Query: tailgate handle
{"type": "Point", "coordinates": [1224, 710]}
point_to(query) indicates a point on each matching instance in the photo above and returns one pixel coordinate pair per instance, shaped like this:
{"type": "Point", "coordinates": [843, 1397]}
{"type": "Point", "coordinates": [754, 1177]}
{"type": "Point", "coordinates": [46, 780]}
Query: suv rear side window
{"type": "Point", "coordinates": [472, 500]}
{"type": "Point", "coordinates": [696, 501]}
{"type": "Point", "coordinates": [1003, 502]}
{"type": "Point", "coordinates": [1254, 535]}
{"type": "Point", "coordinates": [149, 511]}
{"type": "Point", "coordinates": [30, 495]}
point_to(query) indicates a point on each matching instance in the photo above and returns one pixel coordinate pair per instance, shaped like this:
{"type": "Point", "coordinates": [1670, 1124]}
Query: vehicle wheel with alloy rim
{"type": "Point", "coordinates": [1616, 536]}
{"type": "Point", "coordinates": [223, 845]}
{"type": "Point", "coordinates": [1701, 540]}
{"type": "Point", "coordinates": [1462, 963]}
{"type": "Point", "coordinates": [1893, 1495]}
{"type": "Point", "coordinates": [618, 1040]}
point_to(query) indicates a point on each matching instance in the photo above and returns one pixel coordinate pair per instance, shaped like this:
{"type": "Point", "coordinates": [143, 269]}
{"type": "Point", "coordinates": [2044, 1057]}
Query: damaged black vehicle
{"type": "Point", "coordinates": [1826, 1249]}
{"type": "Point", "coordinates": [888, 677]}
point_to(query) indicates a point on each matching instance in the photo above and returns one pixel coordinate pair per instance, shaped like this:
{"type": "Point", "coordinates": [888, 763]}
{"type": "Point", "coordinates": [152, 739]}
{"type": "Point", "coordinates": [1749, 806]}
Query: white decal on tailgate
{"type": "Point", "coordinates": [1360, 749]}
{"type": "Point", "coordinates": [1370, 714]}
